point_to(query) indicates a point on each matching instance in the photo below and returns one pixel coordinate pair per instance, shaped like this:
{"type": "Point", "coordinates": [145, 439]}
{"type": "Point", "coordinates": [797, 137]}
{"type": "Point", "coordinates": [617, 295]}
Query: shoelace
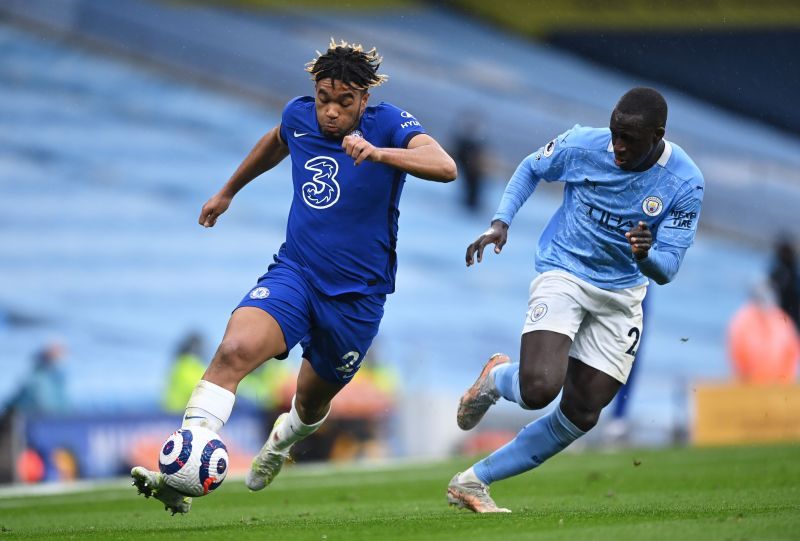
{"type": "Point", "coordinates": [268, 465]}
{"type": "Point", "coordinates": [482, 492]}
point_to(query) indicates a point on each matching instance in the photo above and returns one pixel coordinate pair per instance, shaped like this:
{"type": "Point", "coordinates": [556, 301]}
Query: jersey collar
{"type": "Point", "coordinates": [665, 154]}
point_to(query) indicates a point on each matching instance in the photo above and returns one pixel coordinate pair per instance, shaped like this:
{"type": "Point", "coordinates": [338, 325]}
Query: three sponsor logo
{"type": "Point", "coordinates": [322, 191]}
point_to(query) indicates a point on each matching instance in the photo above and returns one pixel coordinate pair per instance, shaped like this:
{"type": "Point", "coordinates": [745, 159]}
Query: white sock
{"type": "Point", "coordinates": [293, 430]}
{"type": "Point", "coordinates": [209, 406]}
{"type": "Point", "coordinates": [469, 477]}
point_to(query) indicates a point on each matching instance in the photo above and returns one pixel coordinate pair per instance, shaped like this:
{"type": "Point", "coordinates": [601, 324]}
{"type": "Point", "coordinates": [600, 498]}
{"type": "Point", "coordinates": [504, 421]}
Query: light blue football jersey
{"type": "Point", "coordinates": [586, 235]}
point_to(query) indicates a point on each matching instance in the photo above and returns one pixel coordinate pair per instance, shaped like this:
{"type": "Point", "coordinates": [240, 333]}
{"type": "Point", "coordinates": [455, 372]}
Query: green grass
{"type": "Point", "coordinates": [686, 494]}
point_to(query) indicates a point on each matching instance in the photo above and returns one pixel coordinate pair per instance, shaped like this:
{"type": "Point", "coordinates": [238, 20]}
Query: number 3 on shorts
{"type": "Point", "coordinates": [635, 333]}
{"type": "Point", "coordinates": [349, 367]}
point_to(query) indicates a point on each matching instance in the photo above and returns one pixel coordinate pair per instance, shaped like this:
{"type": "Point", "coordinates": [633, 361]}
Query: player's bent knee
{"type": "Point", "coordinates": [537, 393]}
{"type": "Point", "coordinates": [234, 358]}
{"type": "Point", "coordinates": [585, 419]}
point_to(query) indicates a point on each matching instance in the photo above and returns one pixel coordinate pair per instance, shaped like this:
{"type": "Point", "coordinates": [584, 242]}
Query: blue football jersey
{"type": "Point", "coordinates": [342, 227]}
{"type": "Point", "coordinates": [586, 235]}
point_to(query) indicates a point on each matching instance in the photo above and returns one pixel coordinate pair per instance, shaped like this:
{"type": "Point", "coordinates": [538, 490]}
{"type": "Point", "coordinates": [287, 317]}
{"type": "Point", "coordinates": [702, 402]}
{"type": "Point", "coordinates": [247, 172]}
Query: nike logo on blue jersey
{"type": "Point", "coordinates": [299, 134]}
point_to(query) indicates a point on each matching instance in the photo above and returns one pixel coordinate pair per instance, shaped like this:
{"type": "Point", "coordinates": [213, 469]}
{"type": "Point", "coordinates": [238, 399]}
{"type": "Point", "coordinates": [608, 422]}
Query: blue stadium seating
{"type": "Point", "coordinates": [106, 165]}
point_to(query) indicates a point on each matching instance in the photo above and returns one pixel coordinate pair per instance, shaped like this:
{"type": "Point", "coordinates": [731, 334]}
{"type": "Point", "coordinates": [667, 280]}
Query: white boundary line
{"type": "Point", "coordinates": [296, 471]}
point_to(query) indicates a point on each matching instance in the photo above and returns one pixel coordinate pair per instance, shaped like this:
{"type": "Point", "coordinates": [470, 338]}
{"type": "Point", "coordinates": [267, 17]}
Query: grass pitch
{"type": "Point", "coordinates": [684, 494]}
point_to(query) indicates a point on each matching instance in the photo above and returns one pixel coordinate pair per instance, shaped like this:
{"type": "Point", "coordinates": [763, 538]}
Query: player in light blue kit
{"type": "Point", "coordinates": [328, 284]}
{"type": "Point", "coordinates": [630, 210]}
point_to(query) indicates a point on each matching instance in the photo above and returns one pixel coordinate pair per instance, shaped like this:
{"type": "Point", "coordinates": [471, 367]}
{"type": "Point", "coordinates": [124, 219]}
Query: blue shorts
{"type": "Point", "coordinates": [335, 332]}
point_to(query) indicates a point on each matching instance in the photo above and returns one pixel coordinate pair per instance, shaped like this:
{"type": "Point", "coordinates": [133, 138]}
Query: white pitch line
{"type": "Point", "coordinates": [296, 472]}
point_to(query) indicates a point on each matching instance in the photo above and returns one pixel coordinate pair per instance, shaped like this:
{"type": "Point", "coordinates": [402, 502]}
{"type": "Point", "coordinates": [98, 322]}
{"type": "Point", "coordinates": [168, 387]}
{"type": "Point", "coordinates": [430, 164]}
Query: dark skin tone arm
{"type": "Point", "coordinates": [637, 146]}
{"type": "Point", "coordinates": [339, 109]}
{"type": "Point", "coordinates": [497, 234]}
{"type": "Point", "coordinates": [423, 158]}
{"type": "Point", "coordinates": [268, 152]}
{"type": "Point", "coordinates": [639, 237]}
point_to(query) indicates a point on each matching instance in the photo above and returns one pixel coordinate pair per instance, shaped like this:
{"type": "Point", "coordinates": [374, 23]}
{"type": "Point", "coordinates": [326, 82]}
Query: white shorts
{"type": "Point", "coordinates": [605, 325]}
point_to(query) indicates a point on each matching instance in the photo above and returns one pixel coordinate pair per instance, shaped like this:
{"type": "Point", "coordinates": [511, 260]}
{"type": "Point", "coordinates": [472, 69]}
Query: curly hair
{"type": "Point", "coordinates": [349, 64]}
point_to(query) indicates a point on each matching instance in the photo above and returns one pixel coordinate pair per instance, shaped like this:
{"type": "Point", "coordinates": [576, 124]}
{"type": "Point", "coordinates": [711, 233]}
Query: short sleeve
{"type": "Point", "coordinates": [680, 224]}
{"type": "Point", "coordinates": [287, 117]}
{"type": "Point", "coordinates": [399, 125]}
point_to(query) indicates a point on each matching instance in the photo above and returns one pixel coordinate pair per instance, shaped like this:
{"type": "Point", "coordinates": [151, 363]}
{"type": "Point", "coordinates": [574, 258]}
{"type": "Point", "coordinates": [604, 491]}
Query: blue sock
{"type": "Point", "coordinates": [533, 445]}
{"type": "Point", "coordinates": [506, 379]}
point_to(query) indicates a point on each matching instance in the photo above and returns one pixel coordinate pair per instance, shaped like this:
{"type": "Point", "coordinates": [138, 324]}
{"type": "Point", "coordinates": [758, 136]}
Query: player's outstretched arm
{"type": "Point", "coordinates": [518, 190]}
{"type": "Point", "coordinates": [268, 152]}
{"type": "Point", "coordinates": [497, 234]}
{"type": "Point", "coordinates": [423, 158]}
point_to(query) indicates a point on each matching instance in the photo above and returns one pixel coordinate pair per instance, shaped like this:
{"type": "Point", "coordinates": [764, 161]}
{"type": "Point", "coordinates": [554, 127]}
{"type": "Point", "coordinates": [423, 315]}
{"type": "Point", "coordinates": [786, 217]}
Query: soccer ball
{"type": "Point", "coordinates": [194, 461]}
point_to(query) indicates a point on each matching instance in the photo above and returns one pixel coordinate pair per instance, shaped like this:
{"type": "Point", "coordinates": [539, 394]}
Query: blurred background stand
{"type": "Point", "coordinates": [129, 114]}
{"type": "Point", "coordinates": [761, 404]}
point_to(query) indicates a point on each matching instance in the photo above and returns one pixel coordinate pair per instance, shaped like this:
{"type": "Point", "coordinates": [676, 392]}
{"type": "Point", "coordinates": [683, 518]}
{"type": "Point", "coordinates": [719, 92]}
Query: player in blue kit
{"type": "Point", "coordinates": [630, 210]}
{"type": "Point", "coordinates": [329, 280]}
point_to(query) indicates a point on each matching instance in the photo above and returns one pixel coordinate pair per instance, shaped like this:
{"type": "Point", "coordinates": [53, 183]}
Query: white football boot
{"type": "Point", "coordinates": [151, 483]}
{"type": "Point", "coordinates": [473, 496]}
{"type": "Point", "coordinates": [267, 463]}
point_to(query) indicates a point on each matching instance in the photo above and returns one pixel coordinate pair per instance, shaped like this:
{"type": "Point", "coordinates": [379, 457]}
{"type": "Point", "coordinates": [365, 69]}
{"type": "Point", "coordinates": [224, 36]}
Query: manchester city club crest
{"type": "Point", "coordinates": [538, 312]}
{"type": "Point", "coordinates": [259, 293]}
{"type": "Point", "coordinates": [652, 206]}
